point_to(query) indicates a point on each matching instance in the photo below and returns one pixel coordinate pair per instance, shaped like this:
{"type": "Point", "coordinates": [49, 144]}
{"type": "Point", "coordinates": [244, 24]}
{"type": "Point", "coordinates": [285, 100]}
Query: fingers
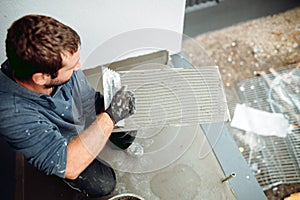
{"type": "Point", "coordinates": [132, 105]}
{"type": "Point", "coordinates": [131, 102]}
{"type": "Point", "coordinates": [122, 105]}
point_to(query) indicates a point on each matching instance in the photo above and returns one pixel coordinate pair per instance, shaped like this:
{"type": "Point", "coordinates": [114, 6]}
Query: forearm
{"type": "Point", "coordinates": [83, 149]}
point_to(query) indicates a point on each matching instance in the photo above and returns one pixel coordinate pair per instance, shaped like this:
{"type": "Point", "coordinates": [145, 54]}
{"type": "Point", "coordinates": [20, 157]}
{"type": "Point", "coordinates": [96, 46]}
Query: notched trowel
{"type": "Point", "coordinates": [122, 140]}
{"type": "Point", "coordinates": [111, 84]}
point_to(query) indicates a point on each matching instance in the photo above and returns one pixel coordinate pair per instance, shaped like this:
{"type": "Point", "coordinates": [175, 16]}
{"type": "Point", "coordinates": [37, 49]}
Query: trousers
{"type": "Point", "coordinates": [97, 180]}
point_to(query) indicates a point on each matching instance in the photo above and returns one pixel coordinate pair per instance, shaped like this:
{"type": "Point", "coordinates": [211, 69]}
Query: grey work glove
{"type": "Point", "coordinates": [122, 105]}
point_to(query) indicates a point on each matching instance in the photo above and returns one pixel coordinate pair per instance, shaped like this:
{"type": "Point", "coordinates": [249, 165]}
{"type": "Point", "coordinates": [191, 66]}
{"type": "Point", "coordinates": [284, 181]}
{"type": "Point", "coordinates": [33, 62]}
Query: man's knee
{"type": "Point", "coordinates": [101, 185]}
{"type": "Point", "coordinates": [102, 188]}
{"type": "Point", "coordinates": [97, 180]}
{"type": "Point", "coordinates": [108, 187]}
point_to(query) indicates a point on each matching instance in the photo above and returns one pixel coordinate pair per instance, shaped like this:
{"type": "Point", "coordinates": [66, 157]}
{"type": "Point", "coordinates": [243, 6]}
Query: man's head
{"type": "Point", "coordinates": [39, 44]}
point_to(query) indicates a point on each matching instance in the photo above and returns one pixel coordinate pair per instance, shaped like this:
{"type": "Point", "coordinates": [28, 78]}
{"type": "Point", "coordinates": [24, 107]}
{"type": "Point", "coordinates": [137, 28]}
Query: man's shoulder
{"type": "Point", "coordinates": [12, 102]}
{"type": "Point", "coordinates": [6, 99]}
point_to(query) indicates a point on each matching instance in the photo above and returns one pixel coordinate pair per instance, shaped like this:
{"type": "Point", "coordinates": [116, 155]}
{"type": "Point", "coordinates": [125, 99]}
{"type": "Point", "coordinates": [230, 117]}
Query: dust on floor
{"type": "Point", "coordinates": [244, 51]}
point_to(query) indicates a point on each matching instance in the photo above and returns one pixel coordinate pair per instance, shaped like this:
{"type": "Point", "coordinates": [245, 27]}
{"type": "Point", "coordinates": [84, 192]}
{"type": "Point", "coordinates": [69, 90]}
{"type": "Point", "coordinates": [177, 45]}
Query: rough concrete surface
{"type": "Point", "coordinates": [246, 50]}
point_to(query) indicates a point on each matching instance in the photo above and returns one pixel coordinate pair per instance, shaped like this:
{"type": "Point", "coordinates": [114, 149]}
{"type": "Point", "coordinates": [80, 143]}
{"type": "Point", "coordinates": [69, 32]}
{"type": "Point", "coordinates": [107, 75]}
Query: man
{"type": "Point", "coordinates": [49, 112]}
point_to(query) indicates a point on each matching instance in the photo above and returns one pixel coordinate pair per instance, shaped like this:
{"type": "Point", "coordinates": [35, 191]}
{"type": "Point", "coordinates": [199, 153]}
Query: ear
{"type": "Point", "coordinates": [40, 78]}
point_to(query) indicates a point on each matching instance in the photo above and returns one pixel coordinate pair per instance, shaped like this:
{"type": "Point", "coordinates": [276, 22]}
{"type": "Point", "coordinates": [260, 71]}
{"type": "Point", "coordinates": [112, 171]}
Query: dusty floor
{"type": "Point", "coordinates": [247, 49]}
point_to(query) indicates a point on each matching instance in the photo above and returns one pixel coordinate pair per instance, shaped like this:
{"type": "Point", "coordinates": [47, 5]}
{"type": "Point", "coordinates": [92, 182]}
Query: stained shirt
{"type": "Point", "coordinates": [40, 126]}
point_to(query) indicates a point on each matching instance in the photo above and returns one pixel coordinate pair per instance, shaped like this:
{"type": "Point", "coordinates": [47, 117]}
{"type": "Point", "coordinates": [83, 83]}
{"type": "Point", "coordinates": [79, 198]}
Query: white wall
{"type": "Point", "coordinates": [110, 29]}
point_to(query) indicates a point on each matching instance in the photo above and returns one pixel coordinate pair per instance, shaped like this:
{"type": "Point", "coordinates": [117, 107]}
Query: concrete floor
{"type": "Point", "coordinates": [232, 12]}
{"type": "Point", "coordinates": [244, 50]}
{"type": "Point", "coordinates": [179, 158]}
{"type": "Point", "coordinates": [177, 164]}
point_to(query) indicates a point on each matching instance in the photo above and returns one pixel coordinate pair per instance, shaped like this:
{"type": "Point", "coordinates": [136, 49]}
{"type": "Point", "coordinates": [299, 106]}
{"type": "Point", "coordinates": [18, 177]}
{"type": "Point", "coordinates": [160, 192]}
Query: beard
{"type": "Point", "coordinates": [56, 83]}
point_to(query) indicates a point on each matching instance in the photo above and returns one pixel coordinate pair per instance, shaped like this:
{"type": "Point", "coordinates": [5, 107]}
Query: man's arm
{"type": "Point", "coordinates": [83, 149]}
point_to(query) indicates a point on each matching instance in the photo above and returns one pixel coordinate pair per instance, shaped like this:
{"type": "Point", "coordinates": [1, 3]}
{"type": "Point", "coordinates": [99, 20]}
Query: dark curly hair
{"type": "Point", "coordinates": [35, 43]}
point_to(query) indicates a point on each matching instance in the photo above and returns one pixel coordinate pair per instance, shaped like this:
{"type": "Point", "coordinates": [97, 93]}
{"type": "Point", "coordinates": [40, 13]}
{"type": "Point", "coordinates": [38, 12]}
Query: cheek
{"type": "Point", "coordinates": [65, 75]}
{"type": "Point", "coordinates": [78, 66]}
{"type": "Point", "coordinates": [69, 74]}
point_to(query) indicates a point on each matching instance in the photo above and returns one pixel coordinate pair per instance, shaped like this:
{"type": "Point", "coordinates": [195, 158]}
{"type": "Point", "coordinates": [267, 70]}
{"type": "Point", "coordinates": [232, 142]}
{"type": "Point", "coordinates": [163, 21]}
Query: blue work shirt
{"type": "Point", "coordinates": [40, 126]}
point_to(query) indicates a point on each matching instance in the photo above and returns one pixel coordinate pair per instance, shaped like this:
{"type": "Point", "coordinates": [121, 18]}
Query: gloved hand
{"type": "Point", "coordinates": [122, 105]}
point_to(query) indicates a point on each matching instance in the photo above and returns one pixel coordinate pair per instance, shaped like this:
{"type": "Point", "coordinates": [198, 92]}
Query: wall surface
{"type": "Point", "coordinates": [110, 30]}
